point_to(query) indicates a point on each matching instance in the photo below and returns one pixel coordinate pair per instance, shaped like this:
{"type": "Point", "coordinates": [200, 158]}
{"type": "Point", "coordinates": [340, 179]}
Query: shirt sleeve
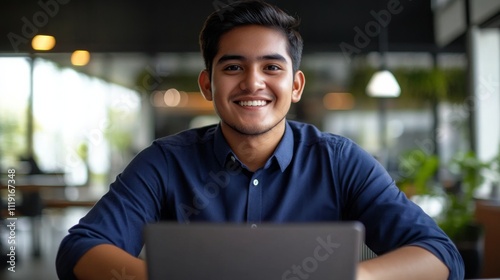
{"type": "Point", "coordinates": [390, 218]}
{"type": "Point", "coordinates": [118, 218]}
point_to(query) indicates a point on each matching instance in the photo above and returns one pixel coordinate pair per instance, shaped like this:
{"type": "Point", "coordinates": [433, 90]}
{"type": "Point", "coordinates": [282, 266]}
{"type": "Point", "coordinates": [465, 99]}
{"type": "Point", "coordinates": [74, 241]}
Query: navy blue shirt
{"type": "Point", "coordinates": [311, 177]}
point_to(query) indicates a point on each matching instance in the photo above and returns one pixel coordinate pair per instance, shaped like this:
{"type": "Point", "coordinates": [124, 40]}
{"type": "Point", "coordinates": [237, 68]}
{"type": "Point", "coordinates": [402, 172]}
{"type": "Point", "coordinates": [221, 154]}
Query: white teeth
{"type": "Point", "coordinates": [253, 103]}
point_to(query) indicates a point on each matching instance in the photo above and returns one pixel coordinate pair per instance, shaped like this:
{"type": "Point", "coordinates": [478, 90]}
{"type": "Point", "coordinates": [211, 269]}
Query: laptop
{"type": "Point", "coordinates": [213, 251]}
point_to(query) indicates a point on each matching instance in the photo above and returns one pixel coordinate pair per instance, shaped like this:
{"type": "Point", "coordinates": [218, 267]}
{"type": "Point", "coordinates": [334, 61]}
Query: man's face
{"type": "Point", "coordinates": [252, 84]}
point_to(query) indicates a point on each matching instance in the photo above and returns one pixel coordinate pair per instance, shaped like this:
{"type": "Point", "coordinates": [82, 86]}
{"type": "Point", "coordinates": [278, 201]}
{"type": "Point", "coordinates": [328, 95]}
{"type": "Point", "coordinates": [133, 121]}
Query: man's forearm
{"type": "Point", "coordinates": [109, 262]}
{"type": "Point", "coordinates": [409, 263]}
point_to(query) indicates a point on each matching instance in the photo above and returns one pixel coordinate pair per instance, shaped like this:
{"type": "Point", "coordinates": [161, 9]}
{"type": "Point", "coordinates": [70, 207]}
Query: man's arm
{"type": "Point", "coordinates": [410, 262]}
{"type": "Point", "coordinates": [399, 231]}
{"type": "Point", "coordinates": [109, 262]}
{"type": "Point", "coordinates": [119, 217]}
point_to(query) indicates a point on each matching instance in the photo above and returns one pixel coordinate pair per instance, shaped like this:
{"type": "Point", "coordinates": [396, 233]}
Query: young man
{"type": "Point", "coordinates": [255, 166]}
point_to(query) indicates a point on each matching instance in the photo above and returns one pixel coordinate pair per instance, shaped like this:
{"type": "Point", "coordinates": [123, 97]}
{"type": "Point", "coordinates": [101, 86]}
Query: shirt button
{"type": "Point", "coordinates": [233, 159]}
{"type": "Point", "coordinates": [255, 182]}
{"type": "Point", "coordinates": [254, 226]}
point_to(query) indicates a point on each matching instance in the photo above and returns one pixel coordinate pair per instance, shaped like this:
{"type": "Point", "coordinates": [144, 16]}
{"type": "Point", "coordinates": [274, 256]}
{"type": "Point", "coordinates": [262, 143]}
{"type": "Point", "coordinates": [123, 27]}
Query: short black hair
{"type": "Point", "coordinates": [254, 12]}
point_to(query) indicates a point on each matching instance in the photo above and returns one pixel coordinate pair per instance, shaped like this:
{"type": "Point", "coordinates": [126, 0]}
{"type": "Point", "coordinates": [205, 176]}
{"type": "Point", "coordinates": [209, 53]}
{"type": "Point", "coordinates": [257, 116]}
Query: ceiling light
{"type": "Point", "coordinates": [80, 58]}
{"type": "Point", "coordinates": [43, 42]}
{"type": "Point", "coordinates": [383, 84]}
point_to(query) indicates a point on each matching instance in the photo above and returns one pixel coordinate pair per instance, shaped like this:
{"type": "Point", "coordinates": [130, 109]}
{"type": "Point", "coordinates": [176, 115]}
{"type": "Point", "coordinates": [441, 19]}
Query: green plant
{"type": "Point", "coordinates": [417, 84]}
{"type": "Point", "coordinates": [417, 169]}
{"type": "Point", "coordinates": [459, 210]}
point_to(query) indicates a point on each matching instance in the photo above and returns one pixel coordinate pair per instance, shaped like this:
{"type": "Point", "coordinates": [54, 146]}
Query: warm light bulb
{"type": "Point", "coordinates": [43, 42]}
{"type": "Point", "coordinates": [172, 97]}
{"type": "Point", "coordinates": [80, 58]}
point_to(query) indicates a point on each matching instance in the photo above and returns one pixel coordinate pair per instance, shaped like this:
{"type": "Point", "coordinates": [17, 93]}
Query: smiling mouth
{"type": "Point", "coordinates": [253, 103]}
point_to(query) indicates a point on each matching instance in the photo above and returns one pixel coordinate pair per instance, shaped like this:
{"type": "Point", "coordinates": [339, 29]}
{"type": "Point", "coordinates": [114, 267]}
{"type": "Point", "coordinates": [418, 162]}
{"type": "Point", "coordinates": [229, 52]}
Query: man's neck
{"type": "Point", "coordinates": [254, 150]}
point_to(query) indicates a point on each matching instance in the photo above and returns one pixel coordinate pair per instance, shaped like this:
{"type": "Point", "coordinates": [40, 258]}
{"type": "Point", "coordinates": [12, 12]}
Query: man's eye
{"type": "Point", "coordinates": [273, 67]}
{"type": "Point", "coordinates": [232, 68]}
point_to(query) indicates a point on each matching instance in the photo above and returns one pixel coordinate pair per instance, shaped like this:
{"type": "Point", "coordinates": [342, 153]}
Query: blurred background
{"type": "Point", "coordinates": [85, 85]}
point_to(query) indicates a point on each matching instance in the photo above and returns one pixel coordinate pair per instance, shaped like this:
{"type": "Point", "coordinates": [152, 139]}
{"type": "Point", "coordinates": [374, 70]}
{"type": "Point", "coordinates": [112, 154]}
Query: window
{"type": "Point", "coordinates": [83, 126]}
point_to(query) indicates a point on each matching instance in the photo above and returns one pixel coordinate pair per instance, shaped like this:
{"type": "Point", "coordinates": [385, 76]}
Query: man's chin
{"type": "Point", "coordinates": [250, 130]}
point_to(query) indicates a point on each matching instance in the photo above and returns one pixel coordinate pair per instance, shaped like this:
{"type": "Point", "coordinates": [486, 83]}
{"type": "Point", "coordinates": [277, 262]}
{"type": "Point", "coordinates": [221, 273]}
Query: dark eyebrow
{"type": "Point", "coordinates": [240, 57]}
{"type": "Point", "coordinates": [272, 57]}
{"type": "Point", "coordinates": [227, 57]}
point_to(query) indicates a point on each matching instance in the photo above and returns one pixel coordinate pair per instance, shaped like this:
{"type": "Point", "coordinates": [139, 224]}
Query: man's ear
{"type": "Point", "coordinates": [205, 84]}
{"type": "Point", "coordinates": [299, 82]}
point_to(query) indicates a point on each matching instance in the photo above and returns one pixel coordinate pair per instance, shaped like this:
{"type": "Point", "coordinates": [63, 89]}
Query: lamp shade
{"type": "Point", "coordinates": [383, 84]}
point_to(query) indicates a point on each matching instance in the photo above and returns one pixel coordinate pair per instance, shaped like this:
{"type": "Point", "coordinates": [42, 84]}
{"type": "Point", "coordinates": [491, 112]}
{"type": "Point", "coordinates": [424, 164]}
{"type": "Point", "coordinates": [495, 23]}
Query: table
{"type": "Point", "coordinates": [20, 195]}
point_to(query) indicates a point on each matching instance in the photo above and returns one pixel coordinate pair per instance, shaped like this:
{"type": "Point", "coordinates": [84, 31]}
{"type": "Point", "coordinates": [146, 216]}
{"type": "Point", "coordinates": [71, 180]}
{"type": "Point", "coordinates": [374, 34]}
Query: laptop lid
{"type": "Point", "coordinates": [237, 251]}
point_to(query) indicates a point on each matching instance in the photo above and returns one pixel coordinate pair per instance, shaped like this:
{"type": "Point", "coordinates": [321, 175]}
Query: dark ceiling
{"type": "Point", "coordinates": [173, 26]}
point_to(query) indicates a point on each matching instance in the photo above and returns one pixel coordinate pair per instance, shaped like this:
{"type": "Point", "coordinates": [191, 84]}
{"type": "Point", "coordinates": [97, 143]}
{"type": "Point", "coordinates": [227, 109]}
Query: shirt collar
{"type": "Point", "coordinates": [221, 147]}
{"type": "Point", "coordinates": [283, 153]}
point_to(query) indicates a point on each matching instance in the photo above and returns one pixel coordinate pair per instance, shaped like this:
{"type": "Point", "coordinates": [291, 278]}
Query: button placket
{"type": "Point", "coordinates": [254, 201]}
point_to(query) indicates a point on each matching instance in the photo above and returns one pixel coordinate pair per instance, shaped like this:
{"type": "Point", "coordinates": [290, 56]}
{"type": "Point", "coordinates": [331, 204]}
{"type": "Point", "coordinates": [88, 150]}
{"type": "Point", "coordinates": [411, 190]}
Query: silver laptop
{"type": "Point", "coordinates": [268, 251]}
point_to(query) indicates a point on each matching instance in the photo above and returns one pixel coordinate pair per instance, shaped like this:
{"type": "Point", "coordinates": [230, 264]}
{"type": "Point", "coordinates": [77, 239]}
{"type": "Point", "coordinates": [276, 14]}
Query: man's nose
{"type": "Point", "coordinates": [253, 81]}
